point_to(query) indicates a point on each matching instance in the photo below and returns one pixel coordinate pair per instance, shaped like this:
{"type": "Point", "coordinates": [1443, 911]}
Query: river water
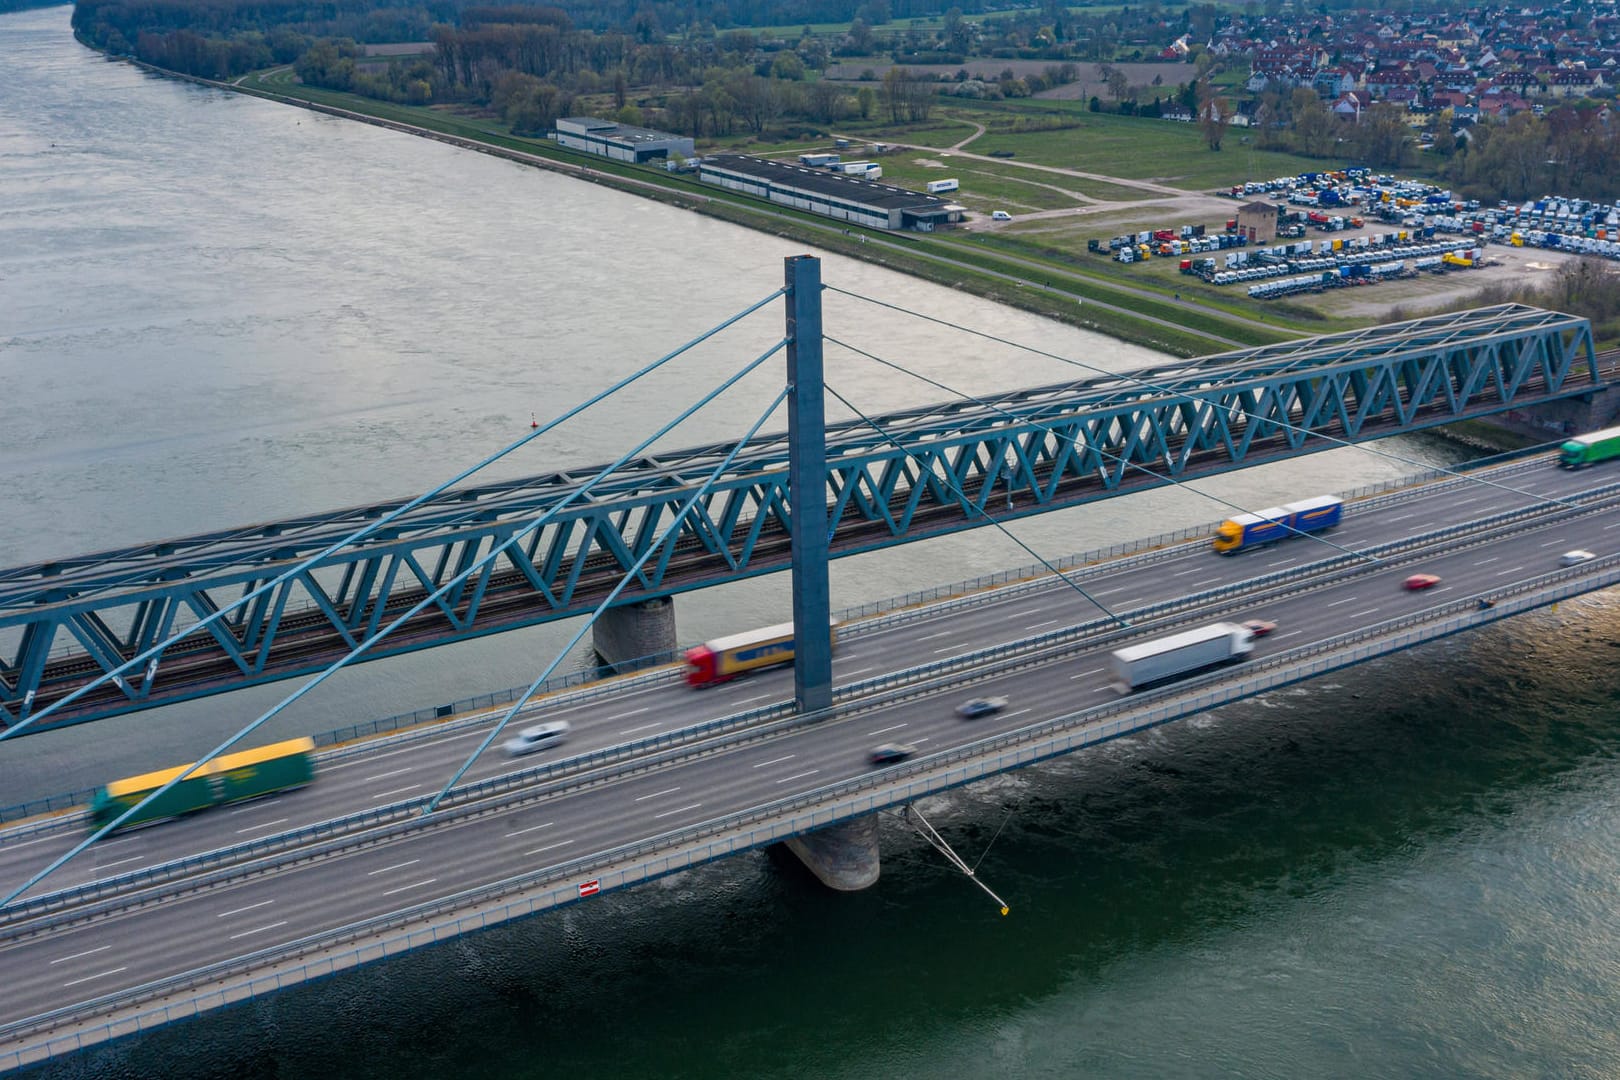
{"type": "Point", "coordinates": [216, 310]}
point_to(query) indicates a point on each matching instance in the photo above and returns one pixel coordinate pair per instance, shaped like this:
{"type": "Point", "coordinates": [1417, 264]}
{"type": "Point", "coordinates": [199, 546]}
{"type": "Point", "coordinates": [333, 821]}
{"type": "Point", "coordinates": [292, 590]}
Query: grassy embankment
{"type": "Point", "coordinates": [1040, 265]}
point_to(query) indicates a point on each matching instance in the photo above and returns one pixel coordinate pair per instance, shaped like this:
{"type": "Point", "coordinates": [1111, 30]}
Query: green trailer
{"type": "Point", "coordinates": [1584, 450]}
{"type": "Point", "coordinates": [259, 772]}
{"type": "Point", "coordinates": [227, 779]}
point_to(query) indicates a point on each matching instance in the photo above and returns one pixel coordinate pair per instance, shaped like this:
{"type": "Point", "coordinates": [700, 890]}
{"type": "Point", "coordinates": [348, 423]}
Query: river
{"type": "Point", "coordinates": [217, 310]}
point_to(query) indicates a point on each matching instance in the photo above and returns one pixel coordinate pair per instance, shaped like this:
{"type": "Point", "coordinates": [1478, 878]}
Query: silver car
{"type": "Point", "coordinates": [538, 737]}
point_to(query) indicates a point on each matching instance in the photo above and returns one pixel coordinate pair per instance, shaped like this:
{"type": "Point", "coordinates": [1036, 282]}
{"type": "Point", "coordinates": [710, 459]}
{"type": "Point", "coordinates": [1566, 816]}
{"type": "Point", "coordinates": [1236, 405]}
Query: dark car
{"type": "Point", "coordinates": [1259, 627]}
{"type": "Point", "coordinates": [889, 753]}
{"type": "Point", "coordinates": [1421, 581]}
{"type": "Point", "coordinates": [980, 706]}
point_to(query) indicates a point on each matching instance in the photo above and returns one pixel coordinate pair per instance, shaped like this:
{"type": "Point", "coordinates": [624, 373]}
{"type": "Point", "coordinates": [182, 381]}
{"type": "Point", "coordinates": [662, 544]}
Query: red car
{"type": "Point", "coordinates": [1259, 627]}
{"type": "Point", "coordinates": [1421, 581]}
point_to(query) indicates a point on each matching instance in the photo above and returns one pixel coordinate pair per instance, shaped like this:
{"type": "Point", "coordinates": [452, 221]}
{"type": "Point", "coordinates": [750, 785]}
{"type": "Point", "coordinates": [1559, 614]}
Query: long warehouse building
{"type": "Point", "coordinates": [831, 194]}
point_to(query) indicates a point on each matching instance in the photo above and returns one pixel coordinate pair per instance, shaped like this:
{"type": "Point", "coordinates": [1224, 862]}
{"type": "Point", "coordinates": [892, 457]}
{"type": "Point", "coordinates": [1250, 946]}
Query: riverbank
{"type": "Point", "coordinates": [1000, 272]}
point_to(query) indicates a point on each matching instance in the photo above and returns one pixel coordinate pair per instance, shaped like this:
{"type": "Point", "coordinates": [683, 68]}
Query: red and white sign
{"type": "Point", "coordinates": [589, 888]}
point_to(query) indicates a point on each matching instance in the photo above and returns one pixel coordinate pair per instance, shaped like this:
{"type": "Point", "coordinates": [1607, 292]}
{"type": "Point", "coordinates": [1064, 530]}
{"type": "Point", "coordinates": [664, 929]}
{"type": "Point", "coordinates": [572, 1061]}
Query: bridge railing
{"type": "Point", "coordinates": [664, 748]}
{"type": "Point", "coordinates": [874, 616]}
{"type": "Point", "coordinates": [760, 826]}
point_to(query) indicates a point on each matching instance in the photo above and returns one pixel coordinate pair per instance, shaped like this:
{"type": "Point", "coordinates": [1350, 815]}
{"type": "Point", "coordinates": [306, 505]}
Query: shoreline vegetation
{"type": "Point", "coordinates": [1029, 279]}
{"type": "Point", "coordinates": [996, 269]}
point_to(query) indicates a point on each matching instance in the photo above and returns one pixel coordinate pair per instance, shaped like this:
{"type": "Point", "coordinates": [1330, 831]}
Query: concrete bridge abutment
{"type": "Point", "coordinates": [1571, 416]}
{"type": "Point", "coordinates": [844, 857]}
{"type": "Point", "coordinates": [624, 635]}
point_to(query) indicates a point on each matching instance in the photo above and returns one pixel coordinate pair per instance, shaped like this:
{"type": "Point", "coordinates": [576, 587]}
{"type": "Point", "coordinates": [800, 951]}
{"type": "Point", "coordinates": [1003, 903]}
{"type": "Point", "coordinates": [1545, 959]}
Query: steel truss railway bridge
{"type": "Point", "coordinates": [907, 475]}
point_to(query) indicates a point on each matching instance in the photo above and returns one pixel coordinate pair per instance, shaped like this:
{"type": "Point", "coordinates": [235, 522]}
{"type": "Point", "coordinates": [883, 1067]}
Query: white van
{"type": "Point", "coordinates": [1000, 215]}
{"type": "Point", "coordinates": [538, 737]}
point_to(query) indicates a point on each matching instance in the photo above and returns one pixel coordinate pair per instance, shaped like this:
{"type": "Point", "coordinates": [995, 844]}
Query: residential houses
{"type": "Point", "coordinates": [1480, 61]}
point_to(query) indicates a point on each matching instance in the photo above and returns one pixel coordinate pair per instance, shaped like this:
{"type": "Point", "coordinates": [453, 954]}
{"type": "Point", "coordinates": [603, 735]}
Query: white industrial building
{"type": "Point", "coordinates": [831, 194]}
{"type": "Point", "coordinates": [621, 142]}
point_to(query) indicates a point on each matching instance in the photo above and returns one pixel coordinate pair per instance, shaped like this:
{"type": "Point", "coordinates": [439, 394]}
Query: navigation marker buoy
{"type": "Point", "coordinates": [533, 422]}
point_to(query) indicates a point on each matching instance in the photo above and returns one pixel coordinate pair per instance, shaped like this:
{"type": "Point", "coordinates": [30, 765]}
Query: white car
{"type": "Point", "coordinates": [538, 737]}
{"type": "Point", "coordinates": [1000, 215]}
{"type": "Point", "coordinates": [1570, 558]}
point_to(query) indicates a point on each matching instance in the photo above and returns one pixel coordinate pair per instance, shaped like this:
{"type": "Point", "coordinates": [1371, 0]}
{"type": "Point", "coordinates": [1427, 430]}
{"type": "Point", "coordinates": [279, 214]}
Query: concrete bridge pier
{"type": "Point", "coordinates": [845, 856]}
{"type": "Point", "coordinates": [623, 635]}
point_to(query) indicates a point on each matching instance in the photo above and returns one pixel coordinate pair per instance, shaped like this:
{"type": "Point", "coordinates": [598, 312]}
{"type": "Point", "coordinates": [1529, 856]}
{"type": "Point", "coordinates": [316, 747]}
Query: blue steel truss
{"type": "Point", "coordinates": [933, 470]}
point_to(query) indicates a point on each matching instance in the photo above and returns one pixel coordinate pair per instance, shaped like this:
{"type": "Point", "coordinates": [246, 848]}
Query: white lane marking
{"type": "Point", "coordinates": [858, 671]}
{"type": "Point", "coordinates": [1184, 573]}
{"type": "Point", "coordinates": [260, 930]}
{"type": "Point", "coordinates": [1110, 592]}
{"type": "Point", "coordinates": [1616, 525]}
{"type": "Point", "coordinates": [942, 633]}
{"type": "Point", "coordinates": [1034, 610]}
{"type": "Point", "coordinates": [531, 828]}
{"type": "Point", "coordinates": [798, 776]}
{"type": "Point", "coordinates": [883, 730]}
{"type": "Point", "coordinates": [1485, 562]}
{"type": "Point", "coordinates": [1102, 689]}
{"type": "Point", "coordinates": [643, 727]}
{"type": "Point", "coordinates": [265, 825]}
{"type": "Point", "coordinates": [238, 911]}
{"type": "Point", "coordinates": [1551, 543]}
{"type": "Point", "coordinates": [1403, 517]}
{"type": "Point", "coordinates": [1037, 625]}
{"type": "Point", "coordinates": [774, 761]}
{"type": "Point", "coordinates": [119, 862]}
{"type": "Point", "coordinates": [548, 847]}
{"type": "Point", "coordinates": [396, 791]}
{"type": "Point", "coordinates": [756, 697]}
{"type": "Point", "coordinates": [1083, 674]}
{"type": "Point", "coordinates": [386, 775]}
{"type": "Point", "coordinates": [87, 952]}
{"type": "Point", "coordinates": [682, 810]}
{"type": "Point", "coordinates": [1346, 600]}
{"type": "Point", "coordinates": [1505, 573]}
{"type": "Point", "coordinates": [1016, 712]}
{"type": "Point", "coordinates": [632, 712]}
{"type": "Point", "coordinates": [413, 885]}
{"type": "Point", "coordinates": [955, 648]}
{"type": "Point", "coordinates": [656, 794]}
{"type": "Point", "coordinates": [100, 975]}
{"type": "Point", "coordinates": [1291, 633]}
{"type": "Point", "coordinates": [25, 843]}
{"type": "Point", "coordinates": [1359, 614]}
{"type": "Point", "coordinates": [396, 866]}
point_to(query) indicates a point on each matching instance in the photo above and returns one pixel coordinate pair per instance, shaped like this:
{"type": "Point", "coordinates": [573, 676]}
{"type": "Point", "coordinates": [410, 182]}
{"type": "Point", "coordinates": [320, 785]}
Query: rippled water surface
{"type": "Point", "coordinates": [215, 310]}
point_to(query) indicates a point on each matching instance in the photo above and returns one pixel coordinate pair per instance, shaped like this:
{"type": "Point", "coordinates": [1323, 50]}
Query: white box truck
{"type": "Point", "coordinates": [938, 187]}
{"type": "Point", "coordinates": [1136, 666]}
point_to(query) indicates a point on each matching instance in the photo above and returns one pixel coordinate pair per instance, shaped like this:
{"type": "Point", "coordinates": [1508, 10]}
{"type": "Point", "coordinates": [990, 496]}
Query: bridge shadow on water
{"type": "Point", "coordinates": [1369, 874]}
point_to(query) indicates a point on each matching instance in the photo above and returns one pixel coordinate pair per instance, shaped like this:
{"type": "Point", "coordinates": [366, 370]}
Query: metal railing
{"type": "Point", "coordinates": [756, 827]}
{"type": "Point", "coordinates": [866, 618]}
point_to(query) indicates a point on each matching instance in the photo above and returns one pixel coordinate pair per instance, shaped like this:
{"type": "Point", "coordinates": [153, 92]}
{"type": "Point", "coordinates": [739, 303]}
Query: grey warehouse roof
{"type": "Point", "coordinates": [833, 184]}
{"type": "Point", "coordinates": [614, 130]}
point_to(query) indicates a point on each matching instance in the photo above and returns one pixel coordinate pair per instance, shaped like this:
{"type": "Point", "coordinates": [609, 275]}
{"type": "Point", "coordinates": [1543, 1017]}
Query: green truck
{"type": "Point", "coordinates": [1584, 450]}
{"type": "Point", "coordinates": [246, 774]}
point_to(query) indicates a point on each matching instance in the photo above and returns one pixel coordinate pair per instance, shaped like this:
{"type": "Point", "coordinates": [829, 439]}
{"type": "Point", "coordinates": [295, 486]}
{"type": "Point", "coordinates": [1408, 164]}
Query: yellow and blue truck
{"type": "Point", "coordinates": [1243, 531]}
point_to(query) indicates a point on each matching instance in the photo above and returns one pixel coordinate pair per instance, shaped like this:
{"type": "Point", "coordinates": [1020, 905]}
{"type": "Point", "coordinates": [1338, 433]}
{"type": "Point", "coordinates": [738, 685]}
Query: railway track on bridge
{"type": "Point", "coordinates": [50, 911]}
